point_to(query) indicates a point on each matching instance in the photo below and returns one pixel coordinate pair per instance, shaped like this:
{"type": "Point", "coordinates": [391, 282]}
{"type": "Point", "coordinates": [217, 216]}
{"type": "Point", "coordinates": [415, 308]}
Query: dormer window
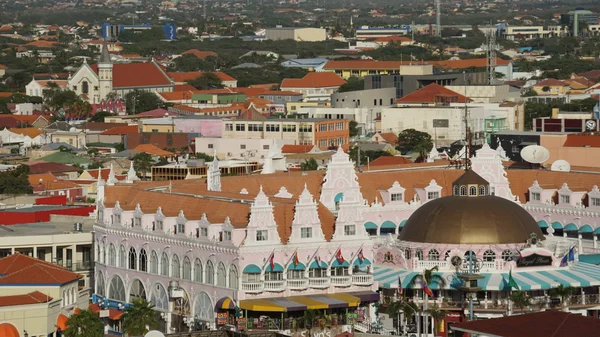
{"type": "Point", "coordinates": [473, 191]}
{"type": "Point", "coordinates": [116, 219]}
{"type": "Point", "coordinates": [433, 195]}
{"type": "Point", "coordinates": [595, 201]}
{"type": "Point", "coordinates": [463, 190]}
{"type": "Point", "coordinates": [397, 197]}
{"type": "Point", "coordinates": [137, 221]}
{"type": "Point", "coordinates": [535, 196]}
{"type": "Point", "coordinates": [180, 228]}
{"type": "Point", "coordinates": [203, 231]}
{"type": "Point", "coordinates": [227, 235]}
{"type": "Point", "coordinates": [158, 225]}
{"type": "Point", "coordinates": [306, 232]}
{"type": "Point", "coordinates": [565, 199]}
{"type": "Point", "coordinates": [349, 230]}
{"type": "Point", "coordinates": [455, 190]}
{"type": "Point", "coordinates": [262, 235]}
{"type": "Point", "coordinates": [482, 190]}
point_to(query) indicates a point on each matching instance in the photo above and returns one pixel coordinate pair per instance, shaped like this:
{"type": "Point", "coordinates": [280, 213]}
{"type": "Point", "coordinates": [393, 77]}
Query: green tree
{"type": "Point", "coordinates": [100, 115]}
{"type": "Point", "coordinates": [408, 309]}
{"type": "Point", "coordinates": [562, 292]}
{"type": "Point", "coordinates": [15, 181]}
{"type": "Point", "coordinates": [429, 276]}
{"type": "Point", "coordinates": [520, 300]}
{"type": "Point", "coordinates": [95, 165]}
{"type": "Point", "coordinates": [139, 318]}
{"type": "Point", "coordinates": [411, 140]}
{"type": "Point", "coordinates": [309, 165]}
{"type": "Point", "coordinates": [84, 324]}
{"type": "Point", "coordinates": [190, 62]}
{"type": "Point", "coordinates": [353, 126]}
{"type": "Point", "coordinates": [352, 84]}
{"type": "Point", "coordinates": [206, 81]}
{"type": "Point", "coordinates": [530, 93]}
{"type": "Point", "coordinates": [139, 101]}
{"type": "Point", "coordinates": [202, 155]}
{"type": "Point", "coordinates": [535, 110]}
{"type": "Point", "coordinates": [142, 162]}
{"type": "Point", "coordinates": [437, 315]}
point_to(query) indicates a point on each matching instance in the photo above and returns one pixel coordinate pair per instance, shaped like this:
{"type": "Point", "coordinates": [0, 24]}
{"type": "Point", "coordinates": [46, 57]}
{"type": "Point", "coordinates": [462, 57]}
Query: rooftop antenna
{"type": "Point", "coordinates": [438, 19]}
{"type": "Point", "coordinates": [491, 56]}
{"type": "Point", "coordinates": [467, 142]}
{"type": "Point", "coordinates": [204, 9]}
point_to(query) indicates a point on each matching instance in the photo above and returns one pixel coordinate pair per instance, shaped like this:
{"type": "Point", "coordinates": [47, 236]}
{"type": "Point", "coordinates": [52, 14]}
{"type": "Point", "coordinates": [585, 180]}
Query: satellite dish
{"type": "Point", "coordinates": [561, 166]}
{"type": "Point", "coordinates": [154, 333]}
{"type": "Point", "coordinates": [535, 154]}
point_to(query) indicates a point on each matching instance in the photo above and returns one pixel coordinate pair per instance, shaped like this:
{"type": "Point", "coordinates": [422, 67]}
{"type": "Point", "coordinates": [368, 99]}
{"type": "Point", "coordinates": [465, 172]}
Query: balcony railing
{"type": "Point", "coordinates": [341, 281]}
{"type": "Point", "coordinates": [297, 284]}
{"type": "Point", "coordinates": [362, 279]}
{"type": "Point", "coordinates": [275, 285]}
{"type": "Point", "coordinates": [252, 287]}
{"type": "Point", "coordinates": [318, 282]}
{"type": "Point", "coordinates": [76, 266]}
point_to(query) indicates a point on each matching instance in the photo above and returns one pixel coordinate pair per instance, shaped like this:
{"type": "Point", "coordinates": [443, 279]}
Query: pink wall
{"type": "Point", "coordinates": [206, 127]}
{"type": "Point", "coordinates": [576, 156]}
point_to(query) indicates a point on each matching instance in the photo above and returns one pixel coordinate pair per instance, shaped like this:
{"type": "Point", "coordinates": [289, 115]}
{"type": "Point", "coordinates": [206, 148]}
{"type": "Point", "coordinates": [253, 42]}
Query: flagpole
{"type": "Point", "coordinates": [314, 254]}
{"type": "Point", "coordinates": [335, 254]}
{"type": "Point", "coordinates": [269, 258]}
{"type": "Point", "coordinates": [290, 259]}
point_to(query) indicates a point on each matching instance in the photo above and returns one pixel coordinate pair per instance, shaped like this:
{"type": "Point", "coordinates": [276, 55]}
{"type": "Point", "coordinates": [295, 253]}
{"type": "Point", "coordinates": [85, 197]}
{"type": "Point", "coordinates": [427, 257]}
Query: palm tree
{"type": "Point", "coordinates": [408, 309]}
{"type": "Point", "coordinates": [521, 300]}
{"type": "Point", "coordinates": [309, 317]}
{"type": "Point", "coordinates": [429, 277]}
{"type": "Point", "coordinates": [438, 316]}
{"type": "Point", "coordinates": [139, 318]}
{"type": "Point", "coordinates": [84, 324]}
{"type": "Point", "coordinates": [563, 292]}
{"type": "Point", "coordinates": [142, 162]}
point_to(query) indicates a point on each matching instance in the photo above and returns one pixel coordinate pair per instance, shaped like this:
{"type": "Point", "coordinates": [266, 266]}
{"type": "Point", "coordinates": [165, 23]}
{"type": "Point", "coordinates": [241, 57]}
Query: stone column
{"type": "Point", "coordinates": [580, 243]}
{"type": "Point", "coordinates": [595, 241]}
{"type": "Point", "coordinates": [582, 296]}
{"type": "Point", "coordinates": [486, 300]}
{"type": "Point", "coordinates": [53, 257]}
{"type": "Point", "coordinates": [35, 252]}
{"type": "Point", "coordinates": [12, 250]}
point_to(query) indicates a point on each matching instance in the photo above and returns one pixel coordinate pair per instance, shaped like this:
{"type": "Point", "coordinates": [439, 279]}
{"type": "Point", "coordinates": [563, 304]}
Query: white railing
{"type": "Point", "coordinates": [362, 279]}
{"type": "Point", "coordinates": [274, 285]}
{"type": "Point", "coordinates": [341, 281]}
{"type": "Point", "coordinates": [318, 282]}
{"type": "Point", "coordinates": [252, 287]}
{"type": "Point", "coordinates": [298, 284]}
{"type": "Point", "coordinates": [425, 264]}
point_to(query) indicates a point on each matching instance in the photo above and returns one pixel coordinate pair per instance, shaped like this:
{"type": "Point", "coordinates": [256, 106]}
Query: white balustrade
{"type": "Point", "coordinates": [297, 284]}
{"type": "Point", "coordinates": [341, 281]}
{"type": "Point", "coordinates": [426, 264]}
{"type": "Point", "coordinates": [362, 279]}
{"type": "Point", "coordinates": [318, 282]}
{"type": "Point", "coordinates": [252, 287]}
{"type": "Point", "coordinates": [275, 285]}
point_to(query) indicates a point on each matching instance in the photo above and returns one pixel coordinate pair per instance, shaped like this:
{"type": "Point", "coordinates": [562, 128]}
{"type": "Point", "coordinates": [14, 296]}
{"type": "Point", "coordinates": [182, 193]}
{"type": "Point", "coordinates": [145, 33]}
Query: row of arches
{"type": "Point", "coordinates": [434, 254]}
{"type": "Point", "coordinates": [116, 289]}
{"type": "Point", "coordinates": [570, 227]}
{"type": "Point", "coordinates": [386, 227]}
{"type": "Point", "coordinates": [173, 266]}
{"type": "Point", "coordinates": [69, 297]}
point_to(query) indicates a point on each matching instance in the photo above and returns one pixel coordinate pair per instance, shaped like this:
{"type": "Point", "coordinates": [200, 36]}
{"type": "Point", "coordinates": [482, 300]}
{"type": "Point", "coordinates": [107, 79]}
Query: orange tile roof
{"type": "Point", "coordinates": [153, 150]}
{"type": "Point", "coordinates": [137, 75]}
{"type": "Point", "coordinates": [192, 75]}
{"type": "Point", "coordinates": [582, 141]}
{"type": "Point", "coordinates": [390, 160]}
{"type": "Point", "coordinates": [121, 130]}
{"type": "Point", "coordinates": [6, 94]}
{"type": "Point", "coordinates": [31, 132]}
{"type": "Point", "coordinates": [29, 119]}
{"type": "Point", "coordinates": [183, 87]}
{"type": "Point", "coordinates": [23, 269]}
{"type": "Point", "coordinates": [280, 93]}
{"type": "Point", "coordinates": [30, 298]}
{"type": "Point", "coordinates": [289, 148]}
{"type": "Point", "coordinates": [60, 83]}
{"type": "Point", "coordinates": [113, 314]}
{"type": "Point", "coordinates": [551, 82]}
{"type": "Point", "coordinates": [433, 93]}
{"type": "Point", "coordinates": [250, 92]}
{"type": "Point", "coordinates": [199, 54]}
{"type": "Point", "coordinates": [176, 95]}
{"type": "Point", "coordinates": [389, 137]}
{"type": "Point", "coordinates": [314, 80]}
{"type": "Point", "coordinates": [34, 179]}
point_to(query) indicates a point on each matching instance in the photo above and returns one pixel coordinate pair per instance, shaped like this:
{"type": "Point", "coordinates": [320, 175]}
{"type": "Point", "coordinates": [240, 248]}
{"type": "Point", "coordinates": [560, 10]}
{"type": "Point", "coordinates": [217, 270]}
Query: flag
{"type": "Point", "coordinates": [565, 260]}
{"type": "Point", "coordinates": [511, 281]}
{"type": "Point", "coordinates": [520, 255]}
{"type": "Point", "coordinates": [426, 288]}
{"type": "Point", "coordinates": [361, 257]}
{"type": "Point", "coordinates": [339, 256]}
{"type": "Point", "coordinates": [318, 259]}
{"type": "Point", "coordinates": [272, 261]}
{"type": "Point", "coordinates": [572, 254]}
{"type": "Point", "coordinates": [296, 260]}
{"type": "Point", "coordinates": [400, 290]}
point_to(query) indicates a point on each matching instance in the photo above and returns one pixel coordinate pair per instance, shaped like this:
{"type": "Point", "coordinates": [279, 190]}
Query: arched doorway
{"type": "Point", "coordinates": [100, 284]}
{"type": "Point", "coordinates": [137, 291]}
{"type": "Point", "coordinates": [116, 289]}
{"type": "Point", "coordinates": [203, 310]}
{"type": "Point", "coordinates": [160, 299]}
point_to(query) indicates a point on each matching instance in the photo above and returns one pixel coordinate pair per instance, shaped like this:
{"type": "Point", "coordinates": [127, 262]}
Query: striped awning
{"type": "Point", "coordinates": [301, 303]}
{"type": "Point", "coordinates": [578, 275]}
{"type": "Point", "coordinates": [225, 303]}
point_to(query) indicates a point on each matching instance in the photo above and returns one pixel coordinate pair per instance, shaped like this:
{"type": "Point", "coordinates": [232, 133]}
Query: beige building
{"type": "Point", "coordinates": [296, 34]}
{"type": "Point", "coordinates": [482, 93]}
{"type": "Point", "coordinates": [73, 138]}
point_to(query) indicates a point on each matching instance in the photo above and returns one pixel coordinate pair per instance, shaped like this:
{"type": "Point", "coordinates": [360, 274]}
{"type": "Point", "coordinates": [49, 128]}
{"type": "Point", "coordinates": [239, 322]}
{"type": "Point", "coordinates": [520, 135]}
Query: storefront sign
{"type": "Point", "coordinates": [221, 318]}
{"type": "Point", "coordinates": [241, 322]}
{"type": "Point", "coordinates": [534, 260]}
{"type": "Point", "coordinates": [318, 332]}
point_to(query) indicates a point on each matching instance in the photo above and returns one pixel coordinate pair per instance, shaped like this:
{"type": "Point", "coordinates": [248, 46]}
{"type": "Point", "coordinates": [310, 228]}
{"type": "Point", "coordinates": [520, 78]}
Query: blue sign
{"type": "Point", "coordinates": [170, 31]}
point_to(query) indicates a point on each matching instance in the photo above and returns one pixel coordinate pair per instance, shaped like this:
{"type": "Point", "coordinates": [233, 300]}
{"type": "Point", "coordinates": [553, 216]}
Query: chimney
{"type": "Point", "coordinates": [555, 112]}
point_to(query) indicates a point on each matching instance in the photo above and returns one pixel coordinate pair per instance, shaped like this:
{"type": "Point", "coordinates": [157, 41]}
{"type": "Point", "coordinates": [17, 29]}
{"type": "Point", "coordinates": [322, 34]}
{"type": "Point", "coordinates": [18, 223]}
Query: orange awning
{"type": "Point", "coordinates": [61, 322]}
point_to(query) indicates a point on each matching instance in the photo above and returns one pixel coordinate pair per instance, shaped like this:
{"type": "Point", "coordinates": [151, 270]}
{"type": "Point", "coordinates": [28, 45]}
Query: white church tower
{"type": "Point", "coordinates": [213, 176]}
{"type": "Point", "coordinates": [105, 72]}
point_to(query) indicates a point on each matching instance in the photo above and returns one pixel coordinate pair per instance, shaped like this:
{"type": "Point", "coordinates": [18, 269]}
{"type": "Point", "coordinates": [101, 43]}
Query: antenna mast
{"type": "Point", "coordinates": [467, 140]}
{"type": "Point", "coordinates": [491, 56]}
{"type": "Point", "coordinates": [438, 20]}
{"type": "Point", "coordinates": [204, 14]}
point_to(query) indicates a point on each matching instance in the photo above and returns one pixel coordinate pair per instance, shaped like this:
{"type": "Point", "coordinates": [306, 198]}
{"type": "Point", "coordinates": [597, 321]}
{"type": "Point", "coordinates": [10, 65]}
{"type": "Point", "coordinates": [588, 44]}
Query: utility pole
{"type": "Point", "coordinates": [438, 19]}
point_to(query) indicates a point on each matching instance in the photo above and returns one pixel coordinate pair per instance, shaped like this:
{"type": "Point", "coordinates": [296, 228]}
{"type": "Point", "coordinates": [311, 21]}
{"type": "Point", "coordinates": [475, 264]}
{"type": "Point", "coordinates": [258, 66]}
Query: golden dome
{"type": "Point", "coordinates": [480, 220]}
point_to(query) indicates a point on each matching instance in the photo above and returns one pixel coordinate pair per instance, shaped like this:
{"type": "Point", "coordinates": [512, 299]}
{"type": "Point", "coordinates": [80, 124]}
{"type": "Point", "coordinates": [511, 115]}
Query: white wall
{"type": "Point", "coordinates": [228, 148]}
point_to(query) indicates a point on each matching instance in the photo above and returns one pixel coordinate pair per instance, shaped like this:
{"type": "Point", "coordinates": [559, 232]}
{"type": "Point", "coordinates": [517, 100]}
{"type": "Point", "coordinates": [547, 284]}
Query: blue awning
{"type": "Point", "coordinates": [542, 224]}
{"type": "Point", "coordinates": [557, 225]}
{"type": "Point", "coordinates": [278, 267]}
{"type": "Point", "coordinates": [370, 225]}
{"type": "Point", "coordinates": [570, 227]}
{"type": "Point", "coordinates": [388, 224]}
{"type": "Point", "coordinates": [252, 269]}
{"type": "Point", "coordinates": [299, 266]}
{"type": "Point", "coordinates": [338, 197]}
{"type": "Point", "coordinates": [586, 229]}
{"type": "Point", "coordinates": [364, 262]}
{"type": "Point", "coordinates": [590, 258]}
{"type": "Point", "coordinates": [403, 223]}
{"type": "Point", "coordinates": [597, 230]}
{"type": "Point", "coordinates": [314, 265]}
{"type": "Point", "coordinates": [337, 263]}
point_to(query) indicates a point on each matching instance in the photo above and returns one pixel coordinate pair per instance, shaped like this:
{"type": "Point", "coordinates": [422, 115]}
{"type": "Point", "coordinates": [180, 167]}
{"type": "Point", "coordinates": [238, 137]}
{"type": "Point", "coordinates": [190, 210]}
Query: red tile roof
{"type": "Point", "coordinates": [390, 160]}
{"type": "Point", "coordinates": [43, 167]}
{"type": "Point", "coordinates": [314, 80]}
{"type": "Point", "coordinates": [34, 179]}
{"type": "Point", "coordinates": [433, 93]}
{"type": "Point", "coordinates": [389, 137]}
{"type": "Point", "coordinates": [250, 92]}
{"type": "Point", "coordinates": [121, 130]}
{"type": "Point", "coordinates": [582, 141]}
{"type": "Point", "coordinates": [183, 87]}
{"type": "Point", "coordinates": [137, 75]}
{"type": "Point", "coordinates": [153, 150]}
{"type": "Point", "coordinates": [156, 113]}
{"type": "Point", "coordinates": [280, 93]}
{"type": "Point", "coordinates": [112, 313]}
{"type": "Point", "coordinates": [539, 324]}
{"type": "Point", "coordinates": [180, 77]}
{"type": "Point", "coordinates": [23, 269]}
{"type": "Point", "coordinates": [31, 298]}
{"type": "Point", "coordinates": [288, 148]}
{"type": "Point", "coordinates": [199, 54]}
{"type": "Point", "coordinates": [176, 95]}
{"type": "Point", "coordinates": [551, 82]}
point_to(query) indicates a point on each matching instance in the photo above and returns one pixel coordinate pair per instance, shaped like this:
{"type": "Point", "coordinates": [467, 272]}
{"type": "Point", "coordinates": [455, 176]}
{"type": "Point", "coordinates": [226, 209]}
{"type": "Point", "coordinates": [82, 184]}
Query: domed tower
{"type": "Point", "coordinates": [105, 72]}
{"type": "Point", "coordinates": [470, 216]}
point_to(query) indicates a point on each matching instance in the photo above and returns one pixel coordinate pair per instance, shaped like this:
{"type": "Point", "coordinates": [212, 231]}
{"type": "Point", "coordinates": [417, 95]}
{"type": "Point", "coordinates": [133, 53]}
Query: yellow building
{"type": "Point", "coordinates": [294, 107]}
{"type": "Point", "coordinates": [551, 86]}
{"type": "Point", "coordinates": [361, 68]}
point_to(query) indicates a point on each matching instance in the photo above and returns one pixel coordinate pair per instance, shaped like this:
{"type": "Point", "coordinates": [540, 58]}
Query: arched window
{"type": "Point", "coordinates": [482, 190]}
{"type": "Point", "coordinates": [470, 256]}
{"type": "Point", "coordinates": [175, 267]}
{"type": "Point", "coordinates": [122, 257]}
{"type": "Point", "coordinates": [463, 190]}
{"type": "Point", "coordinates": [164, 264]}
{"type": "Point", "coordinates": [455, 190]}
{"type": "Point", "coordinates": [407, 253]}
{"type": "Point", "coordinates": [100, 286]}
{"type": "Point", "coordinates": [489, 255]}
{"type": "Point", "coordinates": [446, 255]}
{"type": "Point", "coordinates": [198, 271]}
{"type": "Point", "coordinates": [388, 257]}
{"type": "Point", "coordinates": [143, 261]}
{"type": "Point", "coordinates": [132, 259]}
{"type": "Point", "coordinates": [419, 254]}
{"type": "Point", "coordinates": [472, 190]}
{"type": "Point", "coordinates": [507, 255]}
{"type": "Point", "coordinates": [187, 269]}
{"type": "Point", "coordinates": [116, 289]}
{"type": "Point", "coordinates": [221, 275]}
{"type": "Point", "coordinates": [112, 255]}
{"type": "Point", "coordinates": [154, 263]}
{"type": "Point", "coordinates": [85, 87]}
{"type": "Point", "coordinates": [233, 277]}
{"type": "Point", "coordinates": [210, 273]}
{"type": "Point", "coordinates": [433, 255]}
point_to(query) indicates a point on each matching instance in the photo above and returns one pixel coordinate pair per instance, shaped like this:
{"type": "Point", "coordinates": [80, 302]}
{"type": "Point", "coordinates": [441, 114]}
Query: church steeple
{"type": "Point", "coordinates": [105, 73]}
{"type": "Point", "coordinates": [104, 54]}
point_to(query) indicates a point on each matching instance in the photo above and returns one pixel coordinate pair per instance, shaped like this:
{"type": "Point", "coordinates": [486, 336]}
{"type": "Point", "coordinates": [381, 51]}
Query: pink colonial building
{"type": "Point", "coordinates": [285, 243]}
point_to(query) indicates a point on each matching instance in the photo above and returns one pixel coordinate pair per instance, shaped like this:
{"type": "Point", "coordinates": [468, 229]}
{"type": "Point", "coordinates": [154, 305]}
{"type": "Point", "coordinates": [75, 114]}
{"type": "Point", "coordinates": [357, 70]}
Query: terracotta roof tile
{"type": "Point", "coordinates": [180, 77]}
{"type": "Point", "coordinates": [183, 87]}
{"type": "Point", "coordinates": [289, 148]}
{"type": "Point", "coordinates": [551, 82]}
{"type": "Point", "coordinates": [433, 93]}
{"type": "Point", "coordinates": [23, 269]}
{"type": "Point", "coordinates": [201, 54]}
{"type": "Point", "coordinates": [153, 150]}
{"type": "Point", "coordinates": [389, 137]}
{"type": "Point", "coordinates": [121, 130]}
{"type": "Point", "coordinates": [390, 160]}
{"type": "Point", "coordinates": [44, 167]}
{"type": "Point", "coordinates": [176, 95]}
{"type": "Point", "coordinates": [30, 298]}
{"type": "Point", "coordinates": [582, 141]}
{"type": "Point", "coordinates": [137, 75]}
{"type": "Point", "coordinates": [34, 179]}
{"type": "Point", "coordinates": [314, 80]}
{"type": "Point", "coordinates": [250, 92]}
{"type": "Point", "coordinates": [31, 132]}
